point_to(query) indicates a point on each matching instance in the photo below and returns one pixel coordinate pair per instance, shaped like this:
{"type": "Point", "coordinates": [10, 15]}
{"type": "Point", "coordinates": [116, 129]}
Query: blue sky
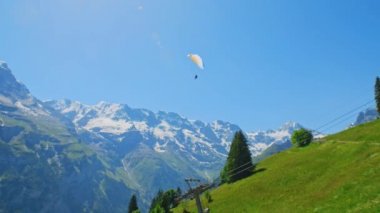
{"type": "Point", "coordinates": [266, 62]}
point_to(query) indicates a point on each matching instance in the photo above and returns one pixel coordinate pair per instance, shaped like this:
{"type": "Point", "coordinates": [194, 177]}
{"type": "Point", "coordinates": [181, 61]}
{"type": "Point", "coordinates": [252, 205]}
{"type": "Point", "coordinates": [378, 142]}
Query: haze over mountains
{"type": "Point", "coordinates": [77, 156]}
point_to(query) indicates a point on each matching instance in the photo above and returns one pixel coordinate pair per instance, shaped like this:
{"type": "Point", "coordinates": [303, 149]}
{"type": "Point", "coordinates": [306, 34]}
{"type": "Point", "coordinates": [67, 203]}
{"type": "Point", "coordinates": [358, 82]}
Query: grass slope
{"type": "Point", "coordinates": [340, 174]}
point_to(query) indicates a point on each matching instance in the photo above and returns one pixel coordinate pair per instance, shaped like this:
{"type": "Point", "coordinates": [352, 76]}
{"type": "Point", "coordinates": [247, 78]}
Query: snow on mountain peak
{"type": "Point", "coordinates": [264, 139]}
{"type": "Point", "coordinates": [290, 125]}
{"type": "Point", "coordinates": [108, 107]}
{"type": "Point", "coordinates": [164, 130]}
{"type": "Point", "coordinates": [167, 130]}
{"type": "Point", "coordinates": [108, 125]}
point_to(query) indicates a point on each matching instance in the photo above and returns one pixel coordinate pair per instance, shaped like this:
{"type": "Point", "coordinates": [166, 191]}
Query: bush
{"type": "Point", "coordinates": [302, 137]}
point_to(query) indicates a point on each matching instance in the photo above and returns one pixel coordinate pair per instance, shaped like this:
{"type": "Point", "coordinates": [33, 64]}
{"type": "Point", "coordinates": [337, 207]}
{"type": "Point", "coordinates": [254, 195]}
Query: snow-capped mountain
{"type": "Point", "coordinates": [15, 94]}
{"type": "Point", "coordinates": [44, 164]}
{"type": "Point", "coordinates": [200, 139]}
{"type": "Point", "coordinates": [159, 150]}
{"type": "Point", "coordinates": [126, 149]}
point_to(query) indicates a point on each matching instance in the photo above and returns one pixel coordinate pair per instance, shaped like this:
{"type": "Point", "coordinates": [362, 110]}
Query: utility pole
{"type": "Point", "coordinates": [196, 191]}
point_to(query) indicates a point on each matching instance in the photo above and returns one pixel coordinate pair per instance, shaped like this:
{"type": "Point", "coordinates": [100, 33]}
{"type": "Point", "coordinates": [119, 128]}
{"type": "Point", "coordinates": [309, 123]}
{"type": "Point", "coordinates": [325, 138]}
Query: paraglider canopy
{"type": "Point", "coordinates": [196, 59]}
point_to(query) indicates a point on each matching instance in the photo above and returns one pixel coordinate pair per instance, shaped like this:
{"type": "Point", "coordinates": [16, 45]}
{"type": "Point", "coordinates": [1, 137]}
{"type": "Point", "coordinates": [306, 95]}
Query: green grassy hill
{"type": "Point", "coordinates": [340, 174]}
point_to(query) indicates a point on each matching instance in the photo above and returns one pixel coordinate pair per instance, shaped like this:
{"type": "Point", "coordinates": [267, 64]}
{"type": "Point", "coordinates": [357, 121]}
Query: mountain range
{"type": "Point", "coordinates": [62, 155]}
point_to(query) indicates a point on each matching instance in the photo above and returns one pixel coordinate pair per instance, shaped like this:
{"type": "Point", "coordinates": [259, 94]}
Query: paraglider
{"type": "Point", "coordinates": [197, 60]}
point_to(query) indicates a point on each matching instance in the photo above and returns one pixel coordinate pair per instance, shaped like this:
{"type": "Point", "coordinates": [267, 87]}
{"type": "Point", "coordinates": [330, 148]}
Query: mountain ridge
{"type": "Point", "coordinates": [135, 149]}
{"type": "Point", "coordinates": [44, 166]}
{"type": "Point", "coordinates": [117, 119]}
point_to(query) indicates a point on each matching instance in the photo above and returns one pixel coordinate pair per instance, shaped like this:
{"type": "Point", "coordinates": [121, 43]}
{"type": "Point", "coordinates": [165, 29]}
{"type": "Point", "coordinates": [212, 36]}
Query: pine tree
{"type": "Point", "coordinates": [133, 204]}
{"type": "Point", "coordinates": [377, 94]}
{"type": "Point", "coordinates": [163, 201]}
{"type": "Point", "coordinates": [156, 200]}
{"type": "Point", "coordinates": [239, 162]}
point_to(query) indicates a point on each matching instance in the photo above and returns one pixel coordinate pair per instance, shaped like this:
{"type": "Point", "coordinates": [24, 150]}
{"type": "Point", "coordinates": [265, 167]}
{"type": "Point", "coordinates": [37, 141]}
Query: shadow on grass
{"type": "Point", "coordinates": [253, 173]}
{"type": "Point", "coordinates": [258, 171]}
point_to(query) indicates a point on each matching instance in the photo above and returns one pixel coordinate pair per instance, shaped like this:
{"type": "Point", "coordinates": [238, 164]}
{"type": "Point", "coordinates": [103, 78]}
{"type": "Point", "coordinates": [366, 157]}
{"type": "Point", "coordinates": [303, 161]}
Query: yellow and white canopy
{"type": "Point", "coordinates": [196, 59]}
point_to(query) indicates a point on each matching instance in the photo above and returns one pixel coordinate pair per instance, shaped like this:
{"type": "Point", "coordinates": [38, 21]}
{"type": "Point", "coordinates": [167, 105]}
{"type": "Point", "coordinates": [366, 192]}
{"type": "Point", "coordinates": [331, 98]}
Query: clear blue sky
{"type": "Point", "coordinates": [266, 62]}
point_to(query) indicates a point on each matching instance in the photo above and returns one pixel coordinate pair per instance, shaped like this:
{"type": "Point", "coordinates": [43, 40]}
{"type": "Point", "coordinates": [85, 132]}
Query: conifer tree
{"type": "Point", "coordinates": [239, 162]}
{"type": "Point", "coordinates": [163, 201]}
{"type": "Point", "coordinates": [133, 204]}
{"type": "Point", "coordinates": [377, 94]}
{"type": "Point", "coordinates": [156, 200]}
